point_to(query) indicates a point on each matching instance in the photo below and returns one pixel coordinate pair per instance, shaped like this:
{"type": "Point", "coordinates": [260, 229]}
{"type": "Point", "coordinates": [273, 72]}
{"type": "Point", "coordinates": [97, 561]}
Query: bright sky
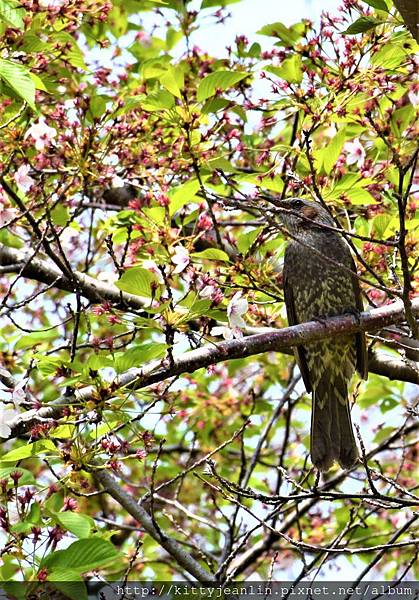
{"type": "Point", "coordinates": [250, 15]}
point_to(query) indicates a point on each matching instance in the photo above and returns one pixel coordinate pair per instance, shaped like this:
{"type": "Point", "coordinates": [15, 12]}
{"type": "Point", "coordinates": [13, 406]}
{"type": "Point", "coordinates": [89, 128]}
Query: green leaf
{"type": "Point", "coordinates": [359, 196]}
{"type": "Point", "coordinates": [213, 105]}
{"type": "Point", "coordinates": [390, 56]}
{"type": "Point", "coordinates": [35, 449]}
{"type": "Point", "coordinates": [380, 224]}
{"type": "Point", "coordinates": [173, 36]}
{"type": "Point", "coordinates": [212, 254]}
{"type": "Point", "coordinates": [183, 194]}
{"type": "Point", "coordinates": [173, 81]}
{"type": "Point", "coordinates": [59, 215]}
{"type": "Point", "coordinates": [78, 524]}
{"type": "Point", "coordinates": [383, 434]}
{"type": "Point", "coordinates": [18, 78]}
{"type": "Point", "coordinates": [97, 106]}
{"type": "Point", "coordinates": [362, 24]}
{"type": "Point", "coordinates": [221, 80]}
{"type": "Point", "coordinates": [136, 281]}
{"type": "Point", "coordinates": [246, 240]}
{"type": "Point", "coordinates": [32, 43]}
{"type": "Point", "coordinates": [72, 52]}
{"type": "Point", "coordinates": [34, 339]}
{"type": "Point", "coordinates": [161, 100]}
{"type": "Point", "coordinates": [378, 4]}
{"type": "Point", "coordinates": [136, 357]}
{"type": "Point", "coordinates": [39, 84]}
{"type": "Point", "coordinates": [290, 69]}
{"type": "Point", "coordinates": [82, 556]}
{"type": "Point", "coordinates": [69, 583]}
{"type": "Point", "coordinates": [12, 13]}
{"type": "Point", "coordinates": [289, 35]}
{"type": "Point", "coordinates": [333, 151]}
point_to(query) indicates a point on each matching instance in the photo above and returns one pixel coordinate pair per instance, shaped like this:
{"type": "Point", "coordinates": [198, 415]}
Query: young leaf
{"type": "Point", "coordinates": [221, 80]}
{"type": "Point", "coordinates": [378, 4]}
{"type": "Point", "coordinates": [212, 254]}
{"type": "Point", "coordinates": [136, 281]}
{"type": "Point", "coordinates": [333, 151]}
{"type": "Point", "coordinates": [290, 70]}
{"type": "Point", "coordinates": [80, 525]}
{"type": "Point", "coordinates": [35, 449]}
{"type": "Point", "coordinates": [18, 78]}
{"type": "Point", "coordinates": [362, 24]}
{"type": "Point", "coordinates": [181, 195]}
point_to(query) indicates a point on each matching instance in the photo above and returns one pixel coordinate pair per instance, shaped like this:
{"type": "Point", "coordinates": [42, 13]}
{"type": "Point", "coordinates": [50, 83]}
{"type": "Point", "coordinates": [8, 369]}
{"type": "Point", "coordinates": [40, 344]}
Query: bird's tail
{"type": "Point", "coordinates": [332, 436]}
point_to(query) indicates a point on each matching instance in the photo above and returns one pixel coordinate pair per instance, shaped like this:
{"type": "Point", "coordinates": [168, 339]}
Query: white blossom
{"type": "Point", "coordinates": [355, 153]}
{"type": "Point", "coordinates": [180, 259]}
{"type": "Point", "coordinates": [41, 133]}
{"type": "Point", "coordinates": [237, 307]}
{"type": "Point", "coordinates": [6, 417]}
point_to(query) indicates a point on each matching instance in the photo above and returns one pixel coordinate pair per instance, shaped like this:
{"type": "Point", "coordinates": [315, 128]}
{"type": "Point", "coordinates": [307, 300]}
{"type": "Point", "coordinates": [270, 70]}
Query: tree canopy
{"type": "Point", "coordinates": [154, 422]}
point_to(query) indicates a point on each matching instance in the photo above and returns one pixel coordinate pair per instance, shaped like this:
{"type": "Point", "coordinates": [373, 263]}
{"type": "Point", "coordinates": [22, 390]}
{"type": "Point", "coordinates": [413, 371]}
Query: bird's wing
{"type": "Point", "coordinates": [361, 344]}
{"type": "Point", "coordinates": [292, 320]}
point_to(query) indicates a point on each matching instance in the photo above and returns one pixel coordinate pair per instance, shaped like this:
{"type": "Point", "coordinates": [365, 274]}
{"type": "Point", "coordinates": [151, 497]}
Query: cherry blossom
{"type": "Point", "coordinates": [226, 332]}
{"type": "Point", "coordinates": [413, 96]}
{"type": "Point", "coordinates": [41, 133]}
{"type": "Point", "coordinates": [237, 307]}
{"type": "Point", "coordinates": [355, 153]}
{"type": "Point", "coordinates": [19, 394]}
{"type": "Point", "coordinates": [7, 215]}
{"type": "Point", "coordinates": [181, 259]}
{"type": "Point", "coordinates": [23, 180]}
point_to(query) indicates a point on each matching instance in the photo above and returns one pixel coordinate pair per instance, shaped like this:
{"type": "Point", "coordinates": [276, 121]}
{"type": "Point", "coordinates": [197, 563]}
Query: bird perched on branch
{"type": "Point", "coordinates": [319, 282]}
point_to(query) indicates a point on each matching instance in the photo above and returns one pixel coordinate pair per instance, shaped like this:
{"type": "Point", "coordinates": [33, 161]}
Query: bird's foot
{"type": "Point", "coordinates": [321, 320]}
{"type": "Point", "coordinates": [354, 312]}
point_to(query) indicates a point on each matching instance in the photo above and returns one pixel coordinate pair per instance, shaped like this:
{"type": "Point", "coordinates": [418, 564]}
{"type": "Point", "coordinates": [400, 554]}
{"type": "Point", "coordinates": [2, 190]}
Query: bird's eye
{"type": "Point", "coordinates": [297, 204]}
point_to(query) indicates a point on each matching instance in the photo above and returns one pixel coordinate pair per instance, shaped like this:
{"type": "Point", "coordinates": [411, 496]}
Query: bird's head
{"type": "Point", "coordinates": [303, 216]}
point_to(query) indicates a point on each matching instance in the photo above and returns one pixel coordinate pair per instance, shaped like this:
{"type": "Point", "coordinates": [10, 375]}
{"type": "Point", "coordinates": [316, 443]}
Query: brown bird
{"type": "Point", "coordinates": [319, 282]}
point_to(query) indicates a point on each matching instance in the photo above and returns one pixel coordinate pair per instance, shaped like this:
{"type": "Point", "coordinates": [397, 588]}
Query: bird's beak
{"type": "Point", "coordinates": [282, 204]}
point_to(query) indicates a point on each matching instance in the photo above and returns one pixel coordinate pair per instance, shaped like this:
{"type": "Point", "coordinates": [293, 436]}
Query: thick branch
{"type": "Point", "coordinates": [45, 272]}
{"type": "Point", "coordinates": [173, 547]}
{"type": "Point", "coordinates": [278, 341]}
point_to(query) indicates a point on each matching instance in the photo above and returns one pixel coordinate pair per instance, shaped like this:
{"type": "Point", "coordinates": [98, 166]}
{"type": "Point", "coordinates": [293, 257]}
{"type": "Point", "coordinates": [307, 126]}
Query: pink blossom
{"type": "Point", "coordinates": [23, 180]}
{"type": "Point", "coordinates": [180, 259]}
{"type": "Point", "coordinates": [7, 215]}
{"type": "Point", "coordinates": [41, 133]}
{"type": "Point", "coordinates": [355, 153]}
{"type": "Point", "coordinates": [204, 222]}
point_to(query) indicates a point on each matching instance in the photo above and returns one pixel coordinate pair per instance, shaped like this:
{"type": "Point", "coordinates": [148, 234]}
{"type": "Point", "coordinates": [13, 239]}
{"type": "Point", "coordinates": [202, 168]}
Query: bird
{"type": "Point", "coordinates": [320, 281]}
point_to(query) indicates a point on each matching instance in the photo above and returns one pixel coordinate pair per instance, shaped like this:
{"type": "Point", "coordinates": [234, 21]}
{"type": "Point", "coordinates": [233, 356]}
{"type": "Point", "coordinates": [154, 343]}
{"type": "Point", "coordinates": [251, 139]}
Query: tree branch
{"type": "Point", "coordinates": [278, 341]}
{"type": "Point", "coordinates": [45, 272]}
{"type": "Point", "coordinates": [172, 546]}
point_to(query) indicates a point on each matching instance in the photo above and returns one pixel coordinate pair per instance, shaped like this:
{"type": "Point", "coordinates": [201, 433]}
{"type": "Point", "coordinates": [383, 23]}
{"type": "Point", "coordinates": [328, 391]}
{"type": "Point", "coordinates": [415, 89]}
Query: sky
{"type": "Point", "coordinates": [250, 15]}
